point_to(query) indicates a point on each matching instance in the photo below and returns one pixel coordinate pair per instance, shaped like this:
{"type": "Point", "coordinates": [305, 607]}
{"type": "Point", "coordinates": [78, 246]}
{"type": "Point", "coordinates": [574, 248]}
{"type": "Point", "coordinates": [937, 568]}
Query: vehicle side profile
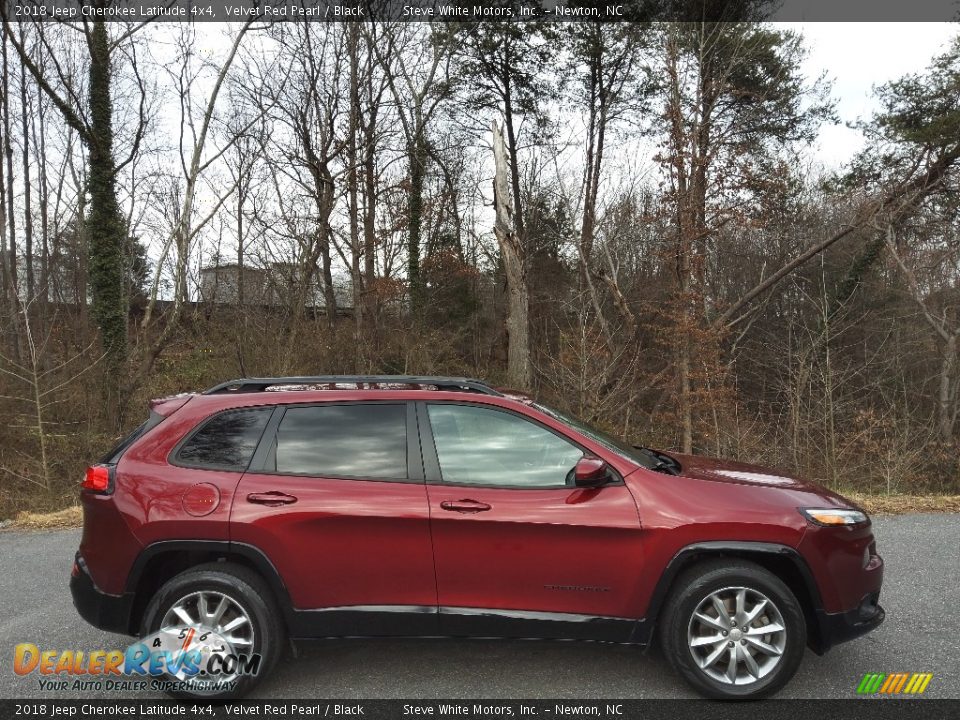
{"type": "Point", "coordinates": [341, 506]}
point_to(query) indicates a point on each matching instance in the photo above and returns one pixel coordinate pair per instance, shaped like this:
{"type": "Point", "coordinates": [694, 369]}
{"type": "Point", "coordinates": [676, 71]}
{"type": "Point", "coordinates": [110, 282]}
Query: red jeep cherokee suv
{"type": "Point", "coordinates": [337, 506]}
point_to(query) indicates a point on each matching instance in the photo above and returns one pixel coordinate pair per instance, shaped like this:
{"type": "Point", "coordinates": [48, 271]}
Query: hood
{"type": "Point", "coordinates": [738, 473]}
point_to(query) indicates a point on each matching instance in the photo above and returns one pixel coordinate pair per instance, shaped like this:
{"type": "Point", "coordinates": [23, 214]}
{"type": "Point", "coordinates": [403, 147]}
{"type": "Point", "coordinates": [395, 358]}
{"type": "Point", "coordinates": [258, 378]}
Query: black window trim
{"type": "Point", "coordinates": [267, 444]}
{"type": "Point", "coordinates": [431, 460]}
{"type": "Point", "coordinates": [112, 457]}
{"type": "Point", "coordinates": [173, 457]}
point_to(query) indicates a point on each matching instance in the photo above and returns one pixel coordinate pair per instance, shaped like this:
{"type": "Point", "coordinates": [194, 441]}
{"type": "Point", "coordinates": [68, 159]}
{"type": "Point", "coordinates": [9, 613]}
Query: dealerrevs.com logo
{"type": "Point", "coordinates": [191, 659]}
{"type": "Point", "coordinates": [894, 683]}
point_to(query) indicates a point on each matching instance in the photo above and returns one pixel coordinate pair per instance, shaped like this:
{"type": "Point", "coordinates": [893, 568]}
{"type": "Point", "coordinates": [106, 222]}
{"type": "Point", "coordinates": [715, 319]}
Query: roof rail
{"type": "Point", "coordinates": [244, 385]}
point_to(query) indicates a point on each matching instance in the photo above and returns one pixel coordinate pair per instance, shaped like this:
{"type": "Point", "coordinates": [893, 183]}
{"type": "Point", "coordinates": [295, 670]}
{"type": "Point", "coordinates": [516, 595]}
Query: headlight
{"type": "Point", "coordinates": [833, 516]}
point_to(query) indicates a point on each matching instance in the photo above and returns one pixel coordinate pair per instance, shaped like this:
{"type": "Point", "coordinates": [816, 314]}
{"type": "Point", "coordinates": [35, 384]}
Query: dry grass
{"type": "Point", "coordinates": [70, 517]}
{"type": "Point", "coordinates": [901, 504]}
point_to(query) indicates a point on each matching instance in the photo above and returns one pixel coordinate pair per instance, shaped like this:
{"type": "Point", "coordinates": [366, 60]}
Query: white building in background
{"type": "Point", "coordinates": [273, 285]}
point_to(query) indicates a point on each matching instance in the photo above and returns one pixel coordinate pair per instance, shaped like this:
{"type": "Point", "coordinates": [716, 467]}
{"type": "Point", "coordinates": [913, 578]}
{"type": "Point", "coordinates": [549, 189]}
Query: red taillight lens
{"type": "Point", "coordinates": [97, 478]}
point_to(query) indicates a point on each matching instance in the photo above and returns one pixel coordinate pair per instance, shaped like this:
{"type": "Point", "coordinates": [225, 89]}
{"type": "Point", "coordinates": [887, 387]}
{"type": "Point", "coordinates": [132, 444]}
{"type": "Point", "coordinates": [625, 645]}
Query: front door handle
{"type": "Point", "coordinates": [271, 499]}
{"type": "Point", "coordinates": [464, 506]}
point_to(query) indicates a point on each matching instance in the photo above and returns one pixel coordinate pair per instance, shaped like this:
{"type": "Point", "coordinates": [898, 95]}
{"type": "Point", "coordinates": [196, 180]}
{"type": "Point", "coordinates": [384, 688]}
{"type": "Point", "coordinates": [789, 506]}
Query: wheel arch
{"type": "Point", "coordinates": [780, 560]}
{"type": "Point", "coordinates": [160, 561]}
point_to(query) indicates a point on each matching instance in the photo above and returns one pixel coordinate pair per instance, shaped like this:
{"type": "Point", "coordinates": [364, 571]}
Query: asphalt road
{"type": "Point", "coordinates": [921, 595]}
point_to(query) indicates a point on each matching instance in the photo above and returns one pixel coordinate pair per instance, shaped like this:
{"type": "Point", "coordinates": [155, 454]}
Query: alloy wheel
{"type": "Point", "coordinates": [737, 636]}
{"type": "Point", "coordinates": [216, 619]}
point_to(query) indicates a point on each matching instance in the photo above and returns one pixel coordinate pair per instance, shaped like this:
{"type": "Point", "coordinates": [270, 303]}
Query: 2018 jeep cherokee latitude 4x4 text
{"type": "Point", "coordinates": [336, 506]}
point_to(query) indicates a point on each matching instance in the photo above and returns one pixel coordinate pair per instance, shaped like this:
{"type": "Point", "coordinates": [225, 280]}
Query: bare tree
{"type": "Point", "coordinates": [93, 121]}
{"type": "Point", "coordinates": [195, 160]}
{"type": "Point", "coordinates": [418, 89]}
{"type": "Point", "coordinates": [515, 263]}
{"type": "Point", "coordinates": [946, 325]}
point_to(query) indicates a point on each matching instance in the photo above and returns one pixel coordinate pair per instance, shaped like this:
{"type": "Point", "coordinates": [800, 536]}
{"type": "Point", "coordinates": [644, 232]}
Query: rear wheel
{"type": "Point", "coordinates": [733, 630]}
{"type": "Point", "coordinates": [216, 609]}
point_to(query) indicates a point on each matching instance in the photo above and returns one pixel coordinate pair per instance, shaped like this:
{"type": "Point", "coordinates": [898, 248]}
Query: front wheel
{"type": "Point", "coordinates": [733, 630]}
{"type": "Point", "coordinates": [223, 620]}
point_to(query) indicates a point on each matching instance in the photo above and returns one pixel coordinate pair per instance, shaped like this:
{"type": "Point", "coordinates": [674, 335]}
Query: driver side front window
{"type": "Point", "coordinates": [481, 446]}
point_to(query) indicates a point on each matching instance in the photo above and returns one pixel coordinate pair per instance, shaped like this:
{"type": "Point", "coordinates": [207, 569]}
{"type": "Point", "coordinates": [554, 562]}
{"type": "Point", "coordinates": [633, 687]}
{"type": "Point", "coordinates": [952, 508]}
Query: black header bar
{"type": "Point", "coordinates": [496, 709]}
{"type": "Point", "coordinates": [480, 10]}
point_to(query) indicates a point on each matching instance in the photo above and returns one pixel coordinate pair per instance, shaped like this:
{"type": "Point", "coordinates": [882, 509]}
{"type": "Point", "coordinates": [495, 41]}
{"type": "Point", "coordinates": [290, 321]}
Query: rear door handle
{"type": "Point", "coordinates": [464, 506]}
{"type": "Point", "coordinates": [272, 498]}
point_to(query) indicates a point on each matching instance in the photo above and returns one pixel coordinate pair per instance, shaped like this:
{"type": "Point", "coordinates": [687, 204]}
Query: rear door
{"type": "Point", "coordinates": [335, 498]}
{"type": "Point", "coordinates": [519, 550]}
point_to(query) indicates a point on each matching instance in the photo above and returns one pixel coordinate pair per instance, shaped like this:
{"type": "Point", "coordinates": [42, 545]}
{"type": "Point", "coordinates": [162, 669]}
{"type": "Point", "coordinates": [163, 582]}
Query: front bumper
{"type": "Point", "coordinates": [847, 573]}
{"type": "Point", "coordinates": [107, 612]}
{"type": "Point", "coordinates": [836, 628]}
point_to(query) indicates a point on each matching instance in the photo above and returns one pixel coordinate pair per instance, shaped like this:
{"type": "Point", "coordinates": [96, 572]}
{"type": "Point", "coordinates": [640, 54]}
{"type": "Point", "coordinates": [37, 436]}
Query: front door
{"type": "Point", "coordinates": [520, 551]}
{"type": "Point", "coordinates": [335, 499]}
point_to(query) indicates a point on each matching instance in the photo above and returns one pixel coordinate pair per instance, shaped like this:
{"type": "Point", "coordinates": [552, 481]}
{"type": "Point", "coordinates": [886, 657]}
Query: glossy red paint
{"type": "Point", "coordinates": [554, 550]}
{"type": "Point", "coordinates": [107, 545]}
{"type": "Point", "coordinates": [715, 500]}
{"type": "Point", "coordinates": [343, 542]}
{"type": "Point", "coordinates": [590, 472]}
{"type": "Point", "coordinates": [146, 505]}
{"type": "Point", "coordinates": [839, 553]}
{"type": "Point", "coordinates": [349, 542]}
{"type": "Point", "coordinates": [201, 500]}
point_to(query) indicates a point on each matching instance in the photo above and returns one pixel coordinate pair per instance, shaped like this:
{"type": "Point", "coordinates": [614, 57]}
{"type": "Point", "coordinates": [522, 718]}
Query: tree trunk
{"type": "Point", "coordinates": [518, 220]}
{"type": "Point", "coordinates": [329, 296]}
{"type": "Point", "coordinates": [369, 222]}
{"type": "Point", "coordinates": [417, 157]}
{"type": "Point", "coordinates": [242, 320]}
{"type": "Point", "coordinates": [7, 219]}
{"type": "Point", "coordinates": [369, 190]}
{"type": "Point", "coordinates": [683, 243]}
{"type": "Point", "coordinates": [105, 226]}
{"type": "Point", "coordinates": [27, 205]}
{"type": "Point", "coordinates": [513, 253]}
{"type": "Point", "coordinates": [596, 129]}
{"type": "Point", "coordinates": [945, 395]}
{"type": "Point", "coordinates": [242, 186]}
{"type": "Point", "coordinates": [323, 194]}
{"type": "Point", "coordinates": [352, 190]}
{"type": "Point", "coordinates": [82, 284]}
{"type": "Point", "coordinates": [39, 144]}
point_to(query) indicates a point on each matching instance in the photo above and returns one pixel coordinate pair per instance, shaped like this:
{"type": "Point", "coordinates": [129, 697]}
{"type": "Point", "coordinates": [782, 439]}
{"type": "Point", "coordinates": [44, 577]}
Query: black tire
{"type": "Point", "coordinates": [696, 586]}
{"type": "Point", "coordinates": [241, 585]}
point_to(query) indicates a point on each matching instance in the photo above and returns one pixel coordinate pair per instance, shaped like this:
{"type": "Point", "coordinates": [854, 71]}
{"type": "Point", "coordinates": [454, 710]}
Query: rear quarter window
{"type": "Point", "coordinates": [226, 441]}
{"type": "Point", "coordinates": [117, 451]}
{"type": "Point", "coordinates": [351, 441]}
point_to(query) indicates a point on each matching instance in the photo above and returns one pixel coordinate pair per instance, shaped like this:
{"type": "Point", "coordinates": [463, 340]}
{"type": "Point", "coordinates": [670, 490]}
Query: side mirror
{"type": "Point", "coordinates": [591, 472]}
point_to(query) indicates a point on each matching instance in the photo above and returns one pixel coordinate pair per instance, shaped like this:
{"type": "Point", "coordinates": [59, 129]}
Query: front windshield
{"type": "Point", "coordinates": [641, 456]}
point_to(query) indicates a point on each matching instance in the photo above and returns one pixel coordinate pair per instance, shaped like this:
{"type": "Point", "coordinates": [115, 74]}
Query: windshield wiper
{"type": "Point", "coordinates": [664, 463]}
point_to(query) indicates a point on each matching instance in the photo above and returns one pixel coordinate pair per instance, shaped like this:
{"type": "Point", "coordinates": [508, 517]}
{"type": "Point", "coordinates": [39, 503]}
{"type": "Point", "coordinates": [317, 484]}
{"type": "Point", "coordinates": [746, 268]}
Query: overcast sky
{"type": "Point", "coordinates": [857, 56]}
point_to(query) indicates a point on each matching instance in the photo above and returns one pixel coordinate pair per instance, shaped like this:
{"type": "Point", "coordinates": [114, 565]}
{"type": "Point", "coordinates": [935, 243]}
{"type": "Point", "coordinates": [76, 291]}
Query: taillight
{"type": "Point", "coordinates": [97, 479]}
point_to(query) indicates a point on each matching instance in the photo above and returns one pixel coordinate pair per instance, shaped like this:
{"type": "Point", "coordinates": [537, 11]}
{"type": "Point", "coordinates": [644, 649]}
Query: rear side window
{"type": "Point", "coordinates": [120, 448]}
{"type": "Point", "coordinates": [362, 441]}
{"type": "Point", "coordinates": [226, 441]}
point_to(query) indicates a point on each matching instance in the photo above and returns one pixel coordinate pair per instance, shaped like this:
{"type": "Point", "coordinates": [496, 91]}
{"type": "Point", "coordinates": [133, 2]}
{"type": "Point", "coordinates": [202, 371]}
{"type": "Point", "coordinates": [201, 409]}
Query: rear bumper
{"type": "Point", "coordinates": [104, 611]}
{"type": "Point", "coordinates": [836, 628]}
